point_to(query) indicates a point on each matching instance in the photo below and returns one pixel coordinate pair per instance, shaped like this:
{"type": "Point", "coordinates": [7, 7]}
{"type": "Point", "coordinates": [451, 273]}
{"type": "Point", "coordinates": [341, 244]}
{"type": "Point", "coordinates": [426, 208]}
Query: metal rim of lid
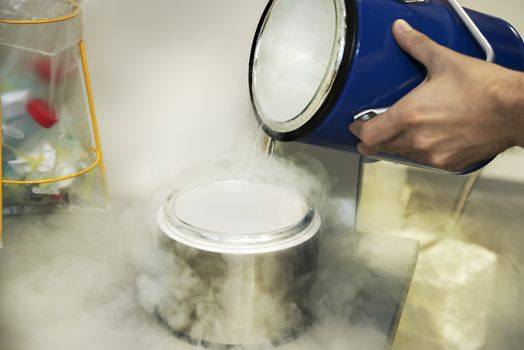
{"type": "Point", "coordinates": [326, 86]}
{"type": "Point", "coordinates": [207, 240]}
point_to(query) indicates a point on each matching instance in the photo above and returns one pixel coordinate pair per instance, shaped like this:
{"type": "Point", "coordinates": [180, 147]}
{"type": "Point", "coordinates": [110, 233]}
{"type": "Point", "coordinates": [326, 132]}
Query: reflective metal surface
{"type": "Point", "coordinates": [240, 272]}
{"type": "Point", "coordinates": [252, 299]}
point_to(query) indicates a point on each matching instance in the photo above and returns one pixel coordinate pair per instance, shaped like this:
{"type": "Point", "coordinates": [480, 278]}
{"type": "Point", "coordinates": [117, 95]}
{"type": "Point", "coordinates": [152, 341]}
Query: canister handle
{"type": "Point", "coordinates": [468, 22]}
{"type": "Point", "coordinates": [369, 114]}
{"type": "Point", "coordinates": [474, 30]}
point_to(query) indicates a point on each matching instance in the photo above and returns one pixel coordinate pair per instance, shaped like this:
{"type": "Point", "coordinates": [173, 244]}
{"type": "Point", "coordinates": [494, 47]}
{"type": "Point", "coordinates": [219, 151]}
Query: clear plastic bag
{"type": "Point", "coordinates": [51, 156]}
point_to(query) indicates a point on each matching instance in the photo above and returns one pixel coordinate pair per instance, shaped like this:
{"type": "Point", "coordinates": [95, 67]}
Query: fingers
{"type": "Point", "coordinates": [365, 150]}
{"type": "Point", "coordinates": [443, 161]}
{"type": "Point", "coordinates": [397, 146]}
{"type": "Point", "coordinates": [419, 46]}
{"type": "Point", "coordinates": [376, 131]}
{"type": "Point", "coordinates": [402, 143]}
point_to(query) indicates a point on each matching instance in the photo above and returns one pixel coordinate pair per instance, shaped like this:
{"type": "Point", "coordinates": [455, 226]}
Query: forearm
{"type": "Point", "coordinates": [519, 111]}
{"type": "Point", "coordinates": [510, 97]}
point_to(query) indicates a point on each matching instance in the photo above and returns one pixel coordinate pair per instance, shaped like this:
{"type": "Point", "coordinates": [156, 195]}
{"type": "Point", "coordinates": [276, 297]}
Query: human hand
{"type": "Point", "coordinates": [466, 111]}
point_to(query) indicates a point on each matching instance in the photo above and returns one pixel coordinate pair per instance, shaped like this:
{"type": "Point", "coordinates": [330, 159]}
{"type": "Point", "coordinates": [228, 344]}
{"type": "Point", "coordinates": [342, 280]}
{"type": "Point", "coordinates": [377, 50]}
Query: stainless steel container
{"type": "Point", "coordinates": [246, 256]}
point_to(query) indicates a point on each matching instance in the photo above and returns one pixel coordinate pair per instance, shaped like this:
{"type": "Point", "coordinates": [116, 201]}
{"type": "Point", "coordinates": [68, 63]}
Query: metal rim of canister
{"type": "Point", "coordinates": [328, 92]}
{"type": "Point", "coordinates": [188, 235]}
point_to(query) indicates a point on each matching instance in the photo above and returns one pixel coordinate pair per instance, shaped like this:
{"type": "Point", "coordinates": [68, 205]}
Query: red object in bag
{"type": "Point", "coordinates": [42, 113]}
{"type": "Point", "coordinates": [42, 67]}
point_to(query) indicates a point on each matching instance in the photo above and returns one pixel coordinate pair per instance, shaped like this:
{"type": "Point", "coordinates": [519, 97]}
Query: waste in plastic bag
{"type": "Point", "coordinates": [51, 154]}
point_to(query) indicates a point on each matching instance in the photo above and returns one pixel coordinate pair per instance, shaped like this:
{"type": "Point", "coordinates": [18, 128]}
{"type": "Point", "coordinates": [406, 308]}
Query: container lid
{"type": "Point", "coordinates": [238, 217]}
{"type": "Point", "coordinates": [296, 56]}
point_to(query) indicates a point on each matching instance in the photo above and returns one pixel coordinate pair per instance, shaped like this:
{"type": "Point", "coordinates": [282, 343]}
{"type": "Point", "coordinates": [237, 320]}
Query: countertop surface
{"type": "Point", "coordinates": [68, 281]}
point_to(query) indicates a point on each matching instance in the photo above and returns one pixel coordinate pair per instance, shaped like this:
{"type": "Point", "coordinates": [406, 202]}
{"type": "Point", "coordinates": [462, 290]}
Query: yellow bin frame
{"type": "Point", "coordinates": [98, 149]}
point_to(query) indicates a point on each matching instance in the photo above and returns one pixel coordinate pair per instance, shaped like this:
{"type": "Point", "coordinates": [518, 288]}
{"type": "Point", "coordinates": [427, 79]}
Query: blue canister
{"type": "Point", "coordinates": [318, 65]}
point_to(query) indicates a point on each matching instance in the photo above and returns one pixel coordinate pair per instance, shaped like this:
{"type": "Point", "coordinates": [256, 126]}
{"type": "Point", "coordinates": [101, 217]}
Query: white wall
{"type": "Point", "coordinates": [510, 10]}
{"type": "Point", "coordinates": [170, 84]}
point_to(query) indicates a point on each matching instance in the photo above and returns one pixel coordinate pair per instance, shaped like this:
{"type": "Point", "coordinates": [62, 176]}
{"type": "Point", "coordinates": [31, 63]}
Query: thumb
{"type": "Point", "coordinates": [418, 45]}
